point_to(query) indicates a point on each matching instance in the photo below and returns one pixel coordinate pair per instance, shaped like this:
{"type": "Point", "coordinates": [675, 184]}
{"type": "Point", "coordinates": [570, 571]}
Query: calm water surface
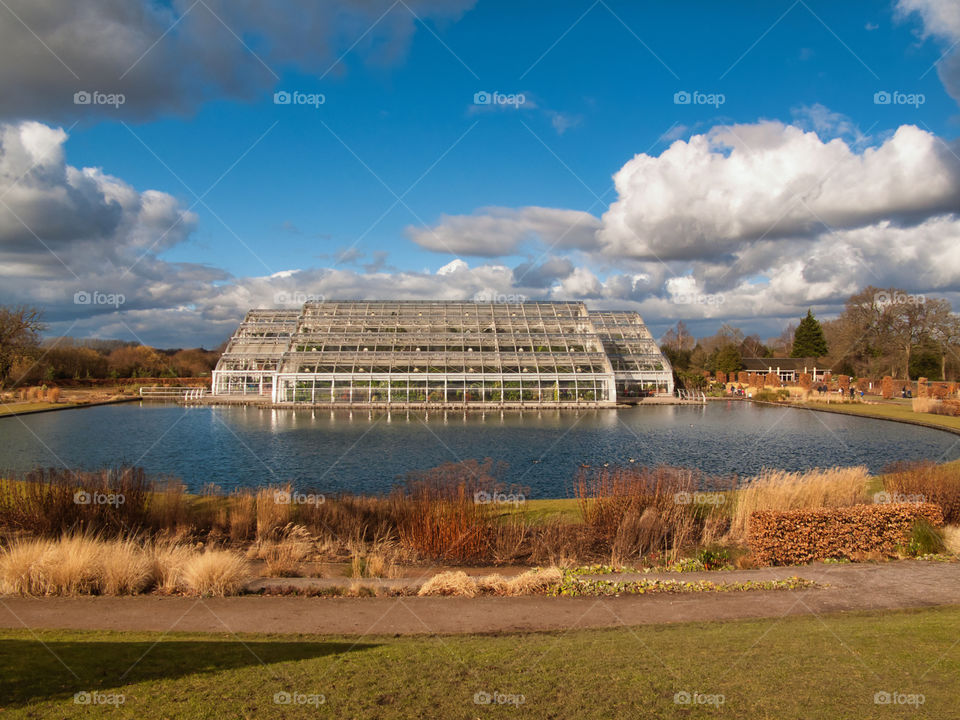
{"type": "Point", "coordinates": [365, 451]}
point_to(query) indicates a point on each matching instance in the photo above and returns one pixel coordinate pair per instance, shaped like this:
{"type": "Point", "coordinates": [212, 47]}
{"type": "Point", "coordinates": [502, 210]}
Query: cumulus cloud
{"type": "Point", "coordinates": [498, 231]}
{"type": "Point", "coordinates": [65, 230]}
{"type": "Point", "coordinates": [170, 56]}
{"type": "Point", "coordinates": [54, 216]}
{"type": "Point", "coordinates": [710, 195]}
{"type": "Point", "coordinates": [941, 19]}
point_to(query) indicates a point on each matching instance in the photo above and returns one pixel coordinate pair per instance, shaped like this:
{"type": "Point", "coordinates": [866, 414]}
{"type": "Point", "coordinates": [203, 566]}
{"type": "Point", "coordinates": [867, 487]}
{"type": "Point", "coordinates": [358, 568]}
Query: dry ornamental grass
{"type": "Point", "coordinates": [86, 565]}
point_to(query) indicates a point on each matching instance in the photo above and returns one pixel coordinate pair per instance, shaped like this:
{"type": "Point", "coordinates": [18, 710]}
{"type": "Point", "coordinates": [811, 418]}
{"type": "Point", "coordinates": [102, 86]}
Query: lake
{"type": "Point", "coordinates": [365, 451]}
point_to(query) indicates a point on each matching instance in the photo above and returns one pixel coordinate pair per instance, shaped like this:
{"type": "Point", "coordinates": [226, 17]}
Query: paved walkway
{"type": "Point", "coordinates": [894, 585]}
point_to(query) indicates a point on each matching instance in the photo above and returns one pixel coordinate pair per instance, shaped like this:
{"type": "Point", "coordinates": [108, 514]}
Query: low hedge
{"type": "Point", "coordinates": [791, 537]}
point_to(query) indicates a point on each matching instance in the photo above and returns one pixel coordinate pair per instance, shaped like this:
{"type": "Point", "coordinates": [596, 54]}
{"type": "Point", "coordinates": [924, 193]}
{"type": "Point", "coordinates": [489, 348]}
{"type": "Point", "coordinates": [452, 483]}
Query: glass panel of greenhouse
{"type": "Point", "coordinates": [441, 353]}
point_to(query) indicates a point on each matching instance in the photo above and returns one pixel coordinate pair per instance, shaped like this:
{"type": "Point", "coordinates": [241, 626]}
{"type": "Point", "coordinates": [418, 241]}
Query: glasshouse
{"type": "Point", "coordinates": [442, 353]}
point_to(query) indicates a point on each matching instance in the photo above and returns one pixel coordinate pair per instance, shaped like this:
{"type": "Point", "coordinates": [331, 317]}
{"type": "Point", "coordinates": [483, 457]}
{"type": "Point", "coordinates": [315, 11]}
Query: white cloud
{"type": "Point", "coordinates": [498, 231]}
{"type": "Point", "coordinates": [710, 195]}
{"type": "Point", "coordinates": [452, 267]}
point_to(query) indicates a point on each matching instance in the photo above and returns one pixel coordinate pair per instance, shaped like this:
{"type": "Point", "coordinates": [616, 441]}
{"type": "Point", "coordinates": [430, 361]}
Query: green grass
{"type": "Point", "coordinates": [541, 511]}
{"type": "Point", "coordinates": [798, 667]}
{"type": "Point", "coordinates": [30, 406]}
{"type": "Point", "coordinates": [888, 411]}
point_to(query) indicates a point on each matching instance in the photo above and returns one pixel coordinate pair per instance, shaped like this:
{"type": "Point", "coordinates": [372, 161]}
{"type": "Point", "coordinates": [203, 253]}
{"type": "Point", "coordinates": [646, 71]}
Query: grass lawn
{"type": "Point", "coordinates": [540, 511]}
{"type": "Point", "coordinates": [890, 411]}
{"type": "Point", "coordinates": [798, 667]}
{"type": "Point", "coordinates": [13, 409]}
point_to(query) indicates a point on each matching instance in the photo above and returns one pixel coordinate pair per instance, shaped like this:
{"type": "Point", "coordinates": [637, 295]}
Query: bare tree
{"type": "Point", "coordinates": [20, 329]}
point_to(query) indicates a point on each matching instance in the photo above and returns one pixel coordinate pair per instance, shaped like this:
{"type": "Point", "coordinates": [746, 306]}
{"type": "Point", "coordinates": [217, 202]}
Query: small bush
{"type": "Point", "coordinates": [125, 568]}
{"type": "Point", "coordinates": [169, 559]}
{"type": "Point", "coordinates": [217, 573]}
{"type": "Point", "coordinates": [451, 582]}
{"type": "Point", "coordinates": [21, 568]}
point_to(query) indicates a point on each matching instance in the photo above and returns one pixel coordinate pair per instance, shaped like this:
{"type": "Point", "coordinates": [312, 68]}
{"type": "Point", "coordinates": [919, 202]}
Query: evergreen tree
{"type": "Point", "coordinates": [808, 340]}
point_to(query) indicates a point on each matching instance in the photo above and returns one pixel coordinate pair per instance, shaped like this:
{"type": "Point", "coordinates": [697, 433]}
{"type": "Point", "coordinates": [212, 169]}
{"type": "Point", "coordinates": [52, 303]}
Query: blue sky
{"type": "Point", "coordinates": [303, 188]}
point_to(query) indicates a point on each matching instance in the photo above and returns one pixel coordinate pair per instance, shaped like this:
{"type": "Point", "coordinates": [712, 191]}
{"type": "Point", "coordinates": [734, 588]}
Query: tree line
{"type": "Point", "coordinates": [26, 358]}
{"type": "Point", "coordinates": [881, 331]}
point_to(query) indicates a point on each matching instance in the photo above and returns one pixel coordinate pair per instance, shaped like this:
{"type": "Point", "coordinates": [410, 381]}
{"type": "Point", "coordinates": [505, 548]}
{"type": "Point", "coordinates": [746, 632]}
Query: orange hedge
{"type": "Point", "coordinates": [791, 537]}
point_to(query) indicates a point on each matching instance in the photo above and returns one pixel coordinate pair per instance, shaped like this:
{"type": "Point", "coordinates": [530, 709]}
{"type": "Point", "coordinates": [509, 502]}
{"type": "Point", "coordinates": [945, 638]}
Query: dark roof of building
{"type": "Point", "coordinates": [797, 364]}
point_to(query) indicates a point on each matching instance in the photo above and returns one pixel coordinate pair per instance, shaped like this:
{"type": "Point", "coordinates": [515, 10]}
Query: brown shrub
{"type": "Point", "coordinates": [440, 512]}
{"type": "Point", "coordinates": [791, 537]}
{"type": "Point", "coordinates": [635, 511]}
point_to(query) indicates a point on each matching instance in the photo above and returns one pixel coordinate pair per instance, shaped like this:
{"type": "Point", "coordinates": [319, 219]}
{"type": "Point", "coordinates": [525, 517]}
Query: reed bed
{"type": "Point", "coordinates": [927, 482]}
{"type": "Point", "coordinates": [630, 515]}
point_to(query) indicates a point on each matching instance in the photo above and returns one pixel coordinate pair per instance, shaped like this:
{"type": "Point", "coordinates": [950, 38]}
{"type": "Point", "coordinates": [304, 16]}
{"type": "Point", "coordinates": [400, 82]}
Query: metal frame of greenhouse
{"type": "Point", "coordinates": [439, 353]}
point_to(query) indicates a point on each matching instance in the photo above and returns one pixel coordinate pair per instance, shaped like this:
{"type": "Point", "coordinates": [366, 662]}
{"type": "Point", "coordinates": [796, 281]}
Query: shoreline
{"type": "Point", "coordinates": [868, 415]}
{"type": "Point", "coordinates": [70, 406]}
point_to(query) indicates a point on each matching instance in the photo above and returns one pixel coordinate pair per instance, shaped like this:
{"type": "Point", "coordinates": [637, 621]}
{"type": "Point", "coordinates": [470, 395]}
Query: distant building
{"type": "Point", "coordinates": [443, 353]}
{"type": "Point", "coordinates": [789, 369]}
